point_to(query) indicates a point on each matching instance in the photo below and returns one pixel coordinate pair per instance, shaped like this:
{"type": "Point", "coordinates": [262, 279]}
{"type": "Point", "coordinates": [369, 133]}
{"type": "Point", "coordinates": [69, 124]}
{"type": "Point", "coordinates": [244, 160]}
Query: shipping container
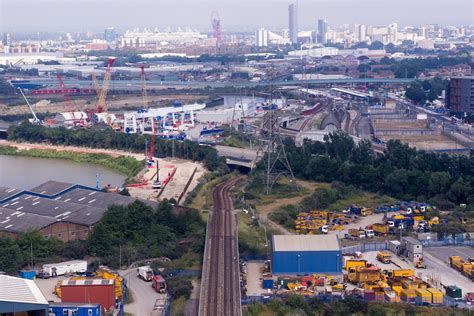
{"type": "Point", "coordinates": [423, 297]}
{"type": "Point", "coordinates": [408, 296]}
{"type": "Point", "coordinates": [95, 291]}
{"type": "Point", "coordinates": [454, 292]}
{"type": "Point", "coordinates": [27, 274]}
{"type": "Point", "coordinates": [391, 297]}
{"type": "Point", "coordinates": [267, 284]}
{"type": "Point", "coordinates": [436, 296]}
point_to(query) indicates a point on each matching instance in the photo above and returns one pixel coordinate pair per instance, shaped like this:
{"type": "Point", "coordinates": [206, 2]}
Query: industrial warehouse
{"type": "Point", "coordinates": [306, 254]}
{"type": "Point", "coordinates": [57, 209]}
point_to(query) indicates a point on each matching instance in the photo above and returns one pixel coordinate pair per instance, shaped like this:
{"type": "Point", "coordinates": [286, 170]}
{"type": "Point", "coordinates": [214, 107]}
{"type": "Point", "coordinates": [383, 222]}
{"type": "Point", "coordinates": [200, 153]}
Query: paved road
{"type": "Point", "coordinates": [220, 287]}
{"type": "Point", "coordinates": [144, 295]}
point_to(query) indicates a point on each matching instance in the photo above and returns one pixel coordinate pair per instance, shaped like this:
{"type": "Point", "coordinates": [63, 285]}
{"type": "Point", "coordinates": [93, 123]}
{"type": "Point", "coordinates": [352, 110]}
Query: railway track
{"type": "Point", "coordinates": [220, 285]}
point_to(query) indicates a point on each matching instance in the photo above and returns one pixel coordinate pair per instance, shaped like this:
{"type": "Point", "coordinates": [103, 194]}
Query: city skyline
{"type": "Point", "coordinates": [57, 15]}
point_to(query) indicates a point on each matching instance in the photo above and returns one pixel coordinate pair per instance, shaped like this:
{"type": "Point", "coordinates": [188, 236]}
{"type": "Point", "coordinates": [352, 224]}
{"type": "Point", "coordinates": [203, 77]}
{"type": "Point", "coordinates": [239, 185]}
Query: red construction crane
{"type": "Point", "coordinates": [216, 27]}
{"type": "Point", "coordinates": [67, 99]}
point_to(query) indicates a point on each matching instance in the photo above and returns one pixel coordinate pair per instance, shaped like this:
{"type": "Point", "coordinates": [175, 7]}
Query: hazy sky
{"type": "Point", "coordinates": [83, 15]}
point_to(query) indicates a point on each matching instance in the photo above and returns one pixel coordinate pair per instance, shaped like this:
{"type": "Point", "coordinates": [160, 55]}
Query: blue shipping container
{"type": "Point", "coordinates": [76, 309]}
{"type": "Point", "coordinates": [267, 284]}
{"type": "Point", "coordinates": [30, 275]}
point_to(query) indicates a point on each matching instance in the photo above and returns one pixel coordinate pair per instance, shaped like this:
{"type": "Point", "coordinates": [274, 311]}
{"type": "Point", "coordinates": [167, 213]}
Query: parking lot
{"type": "Point", "coordinates": [443, 253]}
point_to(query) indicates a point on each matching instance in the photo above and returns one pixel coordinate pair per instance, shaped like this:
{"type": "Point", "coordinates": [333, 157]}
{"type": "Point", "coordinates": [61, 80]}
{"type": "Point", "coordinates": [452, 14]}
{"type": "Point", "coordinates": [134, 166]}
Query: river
{"type": "Point", "coordinates": [27, 172]}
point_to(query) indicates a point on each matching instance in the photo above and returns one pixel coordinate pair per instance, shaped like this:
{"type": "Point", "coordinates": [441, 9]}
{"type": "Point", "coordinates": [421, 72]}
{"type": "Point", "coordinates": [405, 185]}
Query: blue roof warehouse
{"type": "Point", "coordinates": [304, 254]}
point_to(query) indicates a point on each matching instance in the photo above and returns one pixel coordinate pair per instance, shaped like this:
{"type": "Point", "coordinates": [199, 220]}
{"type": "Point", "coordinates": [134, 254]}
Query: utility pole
{"type": "Point", "coordinates": [31, 254]}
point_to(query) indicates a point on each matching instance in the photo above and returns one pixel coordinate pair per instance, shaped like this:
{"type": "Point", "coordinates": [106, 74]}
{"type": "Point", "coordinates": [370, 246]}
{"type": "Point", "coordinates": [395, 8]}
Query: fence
{"type": "Point", "coordinates": [375, 246]}
{"type": "Point", "coordinates": [447, 242]}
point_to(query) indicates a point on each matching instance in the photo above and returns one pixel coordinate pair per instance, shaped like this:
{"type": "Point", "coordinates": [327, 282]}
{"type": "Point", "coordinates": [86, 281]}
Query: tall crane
{"type": "Point", "coordinates": [216, 27]}
{"type": "Point", "coordinates": [35, 119]}
{"type": "Point", "coordinates": [144, 90]}
{"type": "Point", "coordinates": [101, 105]}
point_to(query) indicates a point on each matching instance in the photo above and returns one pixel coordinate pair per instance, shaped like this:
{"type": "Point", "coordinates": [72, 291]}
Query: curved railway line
{"type": "Point", "coordinates": [220, 286]}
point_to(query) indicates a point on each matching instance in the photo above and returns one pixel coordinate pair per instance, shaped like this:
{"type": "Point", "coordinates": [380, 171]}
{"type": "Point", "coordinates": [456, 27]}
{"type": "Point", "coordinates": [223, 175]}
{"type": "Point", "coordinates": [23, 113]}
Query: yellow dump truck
{"type": "Point", "coordinates": [380, 229]}
{"type": "Point", "coordinates": [353, 263]}
{"type": "Point", "coordinates": [362, 275]}
{"type": "Point", "coordinates": [384, 257]}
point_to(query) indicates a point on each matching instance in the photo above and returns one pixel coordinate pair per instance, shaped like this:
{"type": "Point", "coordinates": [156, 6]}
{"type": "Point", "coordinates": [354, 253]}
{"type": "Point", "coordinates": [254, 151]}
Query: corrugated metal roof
{"type": "Point", "coordinates": [87, 282]}
{"type": "Point", "coordinates": [20, 290]}
{"type": "Point", "coordinates": [305, 243]}
{"type": "Point", "coordinates": [411, 240]}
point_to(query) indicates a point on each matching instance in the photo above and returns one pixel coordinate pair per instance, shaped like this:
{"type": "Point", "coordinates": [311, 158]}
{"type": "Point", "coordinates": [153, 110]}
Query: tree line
{"type": "Point", "coordinates": [402, 172]}
{"type": "Point", "coordinates": [109, 139]}
{"type": "Point", "coordinates": [129, 233]}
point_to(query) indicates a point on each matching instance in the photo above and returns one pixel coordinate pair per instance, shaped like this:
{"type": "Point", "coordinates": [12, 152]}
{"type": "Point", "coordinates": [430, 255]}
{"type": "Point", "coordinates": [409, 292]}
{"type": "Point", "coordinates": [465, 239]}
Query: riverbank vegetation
{"type": "Point", "coordinates": [109, 139]}
{"type": "Point", "coordinates": [128, 166]}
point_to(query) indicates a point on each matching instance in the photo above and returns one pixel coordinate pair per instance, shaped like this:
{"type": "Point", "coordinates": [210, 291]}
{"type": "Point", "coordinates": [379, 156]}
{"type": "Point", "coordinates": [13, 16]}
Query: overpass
{"type": "Point", "coordinates": [154, 84]}
{"type": "Point", "coordinates": [242, 157]}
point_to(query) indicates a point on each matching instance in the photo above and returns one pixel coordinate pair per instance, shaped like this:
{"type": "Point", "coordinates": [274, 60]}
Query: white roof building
{"type": "Point", "coordinates": [21, 295]}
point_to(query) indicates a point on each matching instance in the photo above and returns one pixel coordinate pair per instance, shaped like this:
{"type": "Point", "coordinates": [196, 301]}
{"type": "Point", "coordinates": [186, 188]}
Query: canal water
{"type": "Point", "coordinates": [27, 172]}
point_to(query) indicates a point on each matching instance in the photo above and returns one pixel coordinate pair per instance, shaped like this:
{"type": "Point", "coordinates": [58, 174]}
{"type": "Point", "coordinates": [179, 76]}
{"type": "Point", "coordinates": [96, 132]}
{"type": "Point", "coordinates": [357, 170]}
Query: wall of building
{"type": "Point", "coordinates": [66, 231]}
{"type": "Point", "coordinates": [300, 262]}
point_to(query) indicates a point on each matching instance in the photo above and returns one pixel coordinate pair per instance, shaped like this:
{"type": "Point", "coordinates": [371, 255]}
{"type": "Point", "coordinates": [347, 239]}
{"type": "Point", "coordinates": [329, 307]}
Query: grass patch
{"type": "Point", "coordinates": [251, 236]}
{"type": "Point", "coordinates": [233, 141]}
{"type": "Point", "coordinates": [128, 166]}
{"type": "Point", "coordinates": [177, 306]}
{"type": "Point", "coordinates": [130, 299]}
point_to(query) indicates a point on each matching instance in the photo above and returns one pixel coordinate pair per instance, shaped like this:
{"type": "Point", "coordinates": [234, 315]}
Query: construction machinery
{"type": "Point", "coordinates": [35, 120]}
{"type": "Point", "coordinates": [384, 257]}
{"type": "Point", "coordinates": [420, 264]}
{"type": "Point", "coordinates": [156, 183]}
{"type": "Point", "coordinates": [401, 273]}
{"type": "Point", "coordinates": [101, 104]}
{"type": "Point", "coordinates": [364, 275]}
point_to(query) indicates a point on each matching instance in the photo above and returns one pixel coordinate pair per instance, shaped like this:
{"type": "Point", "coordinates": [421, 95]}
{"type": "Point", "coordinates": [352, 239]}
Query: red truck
{"type": "Point", "coordinates": [159, 283]}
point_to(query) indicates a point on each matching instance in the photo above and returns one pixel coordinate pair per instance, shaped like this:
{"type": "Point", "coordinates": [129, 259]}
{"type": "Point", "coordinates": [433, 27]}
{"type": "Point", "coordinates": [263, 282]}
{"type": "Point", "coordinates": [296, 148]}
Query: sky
{"type": "Point", "coordinates": [245, 15]}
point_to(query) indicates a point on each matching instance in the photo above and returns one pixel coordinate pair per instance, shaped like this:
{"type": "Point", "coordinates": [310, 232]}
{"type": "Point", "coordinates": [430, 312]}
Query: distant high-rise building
{"type": "Point", "coordinates": [393, 33]}
{"type": "Point", "coordinates": [460, 95]}
{"type": "Point", "coordinates": [293, 23]}
{"type": "Point", "coordinates": [261, 37]}
{"type": "Point", "coordinates": [322, 31]}
{"type": "Point", "coordinates": [7, 39]}
{"type": "Point", "coordinates": [360, 31]}
{"type": "Point", "coordinates": [110, 36]}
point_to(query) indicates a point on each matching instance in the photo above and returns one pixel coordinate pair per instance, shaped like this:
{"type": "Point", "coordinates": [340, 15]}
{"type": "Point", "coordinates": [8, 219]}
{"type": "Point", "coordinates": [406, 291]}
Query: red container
{"type": "Point", "coordinates": [318, 282]}
{"type": "Point", "coordinates": [89, 291]}
{"type": "Point", "coordinates": [307, 278]}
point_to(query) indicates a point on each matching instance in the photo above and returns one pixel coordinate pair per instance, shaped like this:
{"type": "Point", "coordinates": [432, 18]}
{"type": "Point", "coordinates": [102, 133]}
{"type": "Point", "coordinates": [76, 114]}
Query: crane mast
{"type": "Point", "coordinates": [36, 120]}
{"type": "Point", "coordinates": [101, 105]}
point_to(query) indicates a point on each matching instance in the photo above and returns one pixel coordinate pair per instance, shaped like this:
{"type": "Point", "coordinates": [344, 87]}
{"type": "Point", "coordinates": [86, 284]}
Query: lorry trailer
{"type": "Point", "coordinates": [62, 268]}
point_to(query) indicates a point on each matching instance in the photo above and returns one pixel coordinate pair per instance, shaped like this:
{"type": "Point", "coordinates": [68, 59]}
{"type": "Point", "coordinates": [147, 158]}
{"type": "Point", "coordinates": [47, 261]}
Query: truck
{"type": "Point", "coordinates": [380, 229]}
{"type": "Point", "coordinates": [358, 233]}
{"type": "Point", "coordinates": [384, 257]}
{"type": "Point", "coordinates": [159, 283]}
{"type": "Point", "coordinates": [145, 273]}
{"type": "Point", "coordinates": [66, 267]}
{"type": "Point", "coordinates": [369, 233]}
